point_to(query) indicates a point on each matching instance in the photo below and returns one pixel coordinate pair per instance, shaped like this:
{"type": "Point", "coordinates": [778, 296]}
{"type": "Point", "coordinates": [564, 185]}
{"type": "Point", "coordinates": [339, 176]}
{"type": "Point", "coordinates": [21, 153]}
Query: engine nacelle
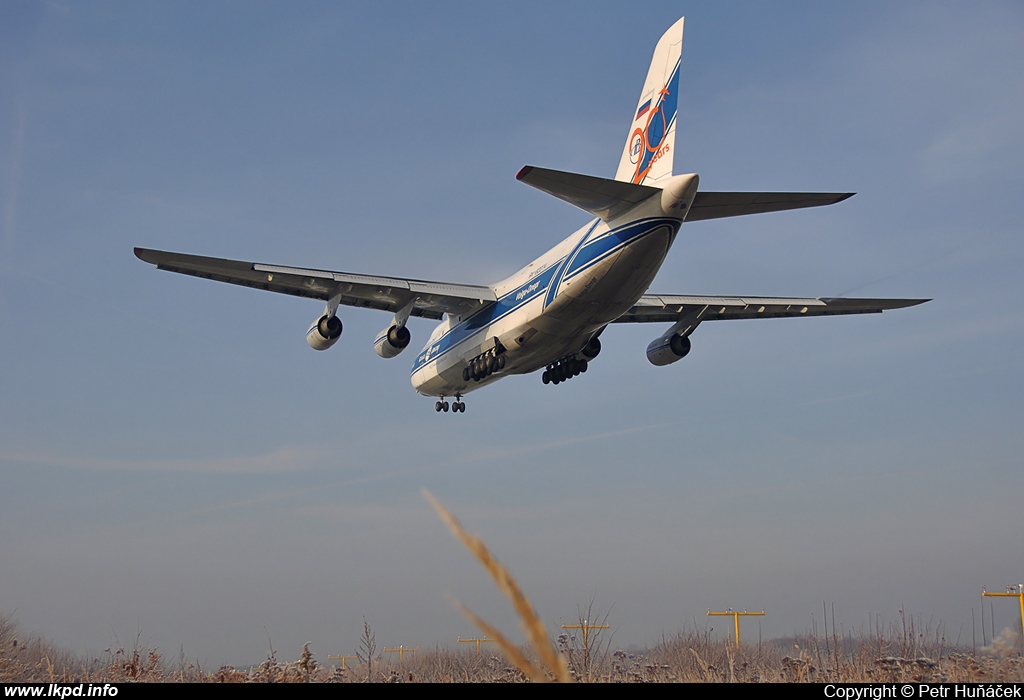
{"type": "Point", "coordinates": [668, 349]}
{"type": "Point", "coordinates": [592, 349]}
{"type": "Point", "coordinates": [392, 341]}
{"type": "Point", "coordinates": [324, 332]}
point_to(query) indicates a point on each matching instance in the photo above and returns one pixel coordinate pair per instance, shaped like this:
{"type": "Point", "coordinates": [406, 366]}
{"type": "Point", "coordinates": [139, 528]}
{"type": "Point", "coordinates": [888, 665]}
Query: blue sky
{"type": "Point", "coordinates": [176, 461]}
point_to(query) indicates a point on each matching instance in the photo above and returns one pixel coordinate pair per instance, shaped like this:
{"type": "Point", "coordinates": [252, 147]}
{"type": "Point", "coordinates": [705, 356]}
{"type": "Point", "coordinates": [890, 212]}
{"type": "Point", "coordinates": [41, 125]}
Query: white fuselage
{"type": "Point", "coordinates": [552, 307]}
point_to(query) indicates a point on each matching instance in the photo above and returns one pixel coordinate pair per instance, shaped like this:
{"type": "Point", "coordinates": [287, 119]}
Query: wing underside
{"type": "Point", "coordinates": [430, 299]}
{"type": "Point", "coordinates": [668, 308]}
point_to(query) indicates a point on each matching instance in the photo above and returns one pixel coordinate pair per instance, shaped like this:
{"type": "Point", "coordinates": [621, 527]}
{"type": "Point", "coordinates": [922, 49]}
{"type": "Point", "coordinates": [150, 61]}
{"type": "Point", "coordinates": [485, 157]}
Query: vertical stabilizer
{"type": "Point", "coordinates": [649, 150]}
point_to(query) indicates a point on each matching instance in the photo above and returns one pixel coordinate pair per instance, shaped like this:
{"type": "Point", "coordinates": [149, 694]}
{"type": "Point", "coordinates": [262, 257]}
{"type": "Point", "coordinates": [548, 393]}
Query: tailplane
{"type": "Point", "coordinates": [649, 150]}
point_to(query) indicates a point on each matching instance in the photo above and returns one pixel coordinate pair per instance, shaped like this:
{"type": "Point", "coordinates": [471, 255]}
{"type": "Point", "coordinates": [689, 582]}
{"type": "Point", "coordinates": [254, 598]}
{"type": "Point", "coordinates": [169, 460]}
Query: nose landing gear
{"type": "Point", "coordinates": [458, 405]}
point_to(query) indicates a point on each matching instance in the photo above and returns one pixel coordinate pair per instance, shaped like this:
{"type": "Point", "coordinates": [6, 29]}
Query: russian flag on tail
{"type": "Point", "coordinates": [643, 110]}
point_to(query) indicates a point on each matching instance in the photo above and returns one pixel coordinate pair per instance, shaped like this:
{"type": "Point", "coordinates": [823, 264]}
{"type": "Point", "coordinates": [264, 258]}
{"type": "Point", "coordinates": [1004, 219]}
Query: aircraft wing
{"type": "Point", "coordinates": [432, 299]}
{"type": "Point", "coordinates": [660, 308]}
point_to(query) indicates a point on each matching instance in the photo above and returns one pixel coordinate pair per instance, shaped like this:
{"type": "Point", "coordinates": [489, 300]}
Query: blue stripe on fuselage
{"type": "Point", "coordinates": [489, 314]}
{"type": "Point", "coordinates": [586, 254]}
{"type": "Point", "coordinates": [600, 248]}
{"type": "Point", "coordinates": [553, 289]}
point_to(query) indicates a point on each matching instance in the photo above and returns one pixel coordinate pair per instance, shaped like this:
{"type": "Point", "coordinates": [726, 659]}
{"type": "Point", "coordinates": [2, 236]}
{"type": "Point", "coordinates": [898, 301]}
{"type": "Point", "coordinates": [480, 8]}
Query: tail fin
{"type": "Point", "coordinates": [647, 156]}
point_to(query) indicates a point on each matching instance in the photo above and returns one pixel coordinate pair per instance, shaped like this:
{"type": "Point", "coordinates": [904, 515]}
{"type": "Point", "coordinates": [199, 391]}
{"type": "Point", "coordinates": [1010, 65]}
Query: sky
{"type": "Point", "coordinates": [178, 469]}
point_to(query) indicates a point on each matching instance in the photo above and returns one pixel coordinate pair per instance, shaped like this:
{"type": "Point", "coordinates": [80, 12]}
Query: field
{"type": "Point", "coordinates": [898, 655]}
{"type": "Point", "coordinates": [904, 651]}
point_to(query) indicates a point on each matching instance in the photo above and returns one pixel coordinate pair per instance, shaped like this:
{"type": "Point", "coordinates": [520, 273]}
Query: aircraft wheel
{"type": "Point", "coordinates": [465, 374]}
{"type": "Point", "coordinates": [583, 366]}
{"type": "Point", "coordinates": [437, 406]}
{"type": "Point", "coordinates": [444, 406]}
{"type": "Point", "coordinates": [501, 362]}
{"type": "Point", "coordinates": [546, 377]}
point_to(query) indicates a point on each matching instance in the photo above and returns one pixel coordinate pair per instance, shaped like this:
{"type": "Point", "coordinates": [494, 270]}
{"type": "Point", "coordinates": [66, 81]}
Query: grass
{"type": "Point", "coordinates": [687, 657]}
{"type": "Point", "coordinates": [905, 652]}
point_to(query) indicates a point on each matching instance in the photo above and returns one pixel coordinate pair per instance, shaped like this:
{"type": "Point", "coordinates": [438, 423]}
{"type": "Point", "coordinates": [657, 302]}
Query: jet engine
{"type": "Point", "coordinates": [324, 332]}
{"type": "Point", "coordinates": [668, 349]}
{"type": "Point", "coordinates": [592, 349]}
{"type": "Point", "coordinates": [392, 341]}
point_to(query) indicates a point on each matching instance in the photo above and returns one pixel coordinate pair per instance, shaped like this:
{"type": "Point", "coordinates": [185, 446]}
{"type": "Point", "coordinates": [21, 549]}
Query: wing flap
{"type": "Point", "coordinates": [432, 299]}
{"type": "Point", "coordinates": [662, 308]}
{"type": "Point", "coordinates": [718, 205]}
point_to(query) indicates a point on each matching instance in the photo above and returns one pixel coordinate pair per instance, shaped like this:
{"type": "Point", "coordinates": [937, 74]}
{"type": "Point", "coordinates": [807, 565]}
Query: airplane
{"type": "Point", "coordinates": [549, 315]}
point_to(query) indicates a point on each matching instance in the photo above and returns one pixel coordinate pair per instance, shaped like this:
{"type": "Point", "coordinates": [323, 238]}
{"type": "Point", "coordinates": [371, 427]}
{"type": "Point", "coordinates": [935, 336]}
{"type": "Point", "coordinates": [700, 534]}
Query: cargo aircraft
{"type": "Point", "coordinates": [549, 315]}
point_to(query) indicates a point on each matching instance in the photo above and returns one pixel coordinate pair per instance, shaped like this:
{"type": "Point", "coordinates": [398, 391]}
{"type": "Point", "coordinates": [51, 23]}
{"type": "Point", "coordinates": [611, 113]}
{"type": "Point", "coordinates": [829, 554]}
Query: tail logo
{"type": "Point", "coordinates": [636, 147]}
{"type": "Point", "coordinates": [647, 144]}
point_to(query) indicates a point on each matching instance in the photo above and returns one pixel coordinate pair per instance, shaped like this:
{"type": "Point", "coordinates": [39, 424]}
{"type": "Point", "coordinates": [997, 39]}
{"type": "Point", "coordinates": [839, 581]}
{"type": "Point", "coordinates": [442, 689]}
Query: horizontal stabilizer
{"type": "Point", "coordinates": [718, 205]}
{"type": "Point", "coordinates": [603, 198]}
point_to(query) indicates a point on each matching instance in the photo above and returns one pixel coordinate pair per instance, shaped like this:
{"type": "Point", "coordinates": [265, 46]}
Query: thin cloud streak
{"type": "Point", "coordinates": [284, 460]}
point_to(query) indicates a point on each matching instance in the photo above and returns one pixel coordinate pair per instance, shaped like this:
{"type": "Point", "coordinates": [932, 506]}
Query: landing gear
{"type": "Point", "coordinates": [457, 406]}
{"type": "Point", "coordinates": [482, 366]}
{"type": "Point", "coordinates": [563, 370]}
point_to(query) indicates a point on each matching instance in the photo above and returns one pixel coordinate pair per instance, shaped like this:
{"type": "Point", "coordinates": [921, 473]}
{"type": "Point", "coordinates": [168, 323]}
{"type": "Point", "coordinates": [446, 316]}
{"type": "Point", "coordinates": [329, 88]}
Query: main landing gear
{"type": "Point", "coordinates": [483, 366]}
{"type": "Point", "coordinates": [458, 405]}
{"type": "Point", "coordinates": [564, 370]}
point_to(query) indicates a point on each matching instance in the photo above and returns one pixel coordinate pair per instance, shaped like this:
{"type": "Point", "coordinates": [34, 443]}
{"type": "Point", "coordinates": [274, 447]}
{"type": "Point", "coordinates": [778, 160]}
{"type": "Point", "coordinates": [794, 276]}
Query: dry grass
{"type": "Point", "coordinates": [906, 652]}
{"type": "Point", "coordinates": [688, 657]}
{"type": "Point", "coordinates": [553, 664]}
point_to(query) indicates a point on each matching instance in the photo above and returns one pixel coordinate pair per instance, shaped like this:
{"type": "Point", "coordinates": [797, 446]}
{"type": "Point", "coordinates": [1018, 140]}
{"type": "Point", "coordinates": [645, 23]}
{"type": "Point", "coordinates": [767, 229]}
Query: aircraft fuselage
{"type": "Point", "coordinates": [551, 308]}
